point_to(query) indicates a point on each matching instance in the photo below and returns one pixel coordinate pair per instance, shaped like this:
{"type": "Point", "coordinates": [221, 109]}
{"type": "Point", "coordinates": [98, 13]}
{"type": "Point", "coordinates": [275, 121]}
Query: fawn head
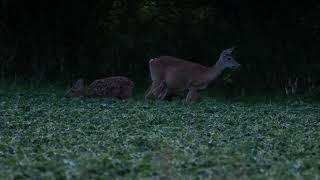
{"type": "Point", "coordinates": [76, 90]}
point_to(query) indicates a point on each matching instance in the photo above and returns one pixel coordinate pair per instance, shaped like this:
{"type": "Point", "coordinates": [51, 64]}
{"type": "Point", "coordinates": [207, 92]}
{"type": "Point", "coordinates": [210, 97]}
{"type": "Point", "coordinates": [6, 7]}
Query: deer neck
{"type": "Point", "coordinates": [215, 71]}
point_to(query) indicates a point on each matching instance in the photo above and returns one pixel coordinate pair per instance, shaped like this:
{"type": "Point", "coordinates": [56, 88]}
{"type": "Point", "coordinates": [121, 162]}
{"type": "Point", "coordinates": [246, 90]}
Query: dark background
{"type": "Point", "coordinates": [62, 40]}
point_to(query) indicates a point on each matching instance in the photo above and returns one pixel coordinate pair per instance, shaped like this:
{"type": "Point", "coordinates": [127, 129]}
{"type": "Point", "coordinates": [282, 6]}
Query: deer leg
{"type": "Point", "coordinates": [161, 91]}
{"type": "Point", "coordinates": [151, 90]}
{"type": "Point", "coordinates": [125, 93]}
{"type": "Point", "coordinates": [148, 93]}
{"type": "Point", "coordinates": [163, 94]}
{"type": "Point", "coordinates": [192, 95]}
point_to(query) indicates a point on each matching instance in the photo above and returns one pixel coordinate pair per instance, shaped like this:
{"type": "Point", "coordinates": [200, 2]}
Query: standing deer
{"type": "Point", "coordinates": [116, 86]}
{"type": "Point", "coordinates": [172, 76]}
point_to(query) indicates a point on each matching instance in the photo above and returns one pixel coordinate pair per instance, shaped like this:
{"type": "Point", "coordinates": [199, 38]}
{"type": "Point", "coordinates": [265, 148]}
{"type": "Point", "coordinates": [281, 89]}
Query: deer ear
{"type": "Point", "coordinates": [228, 51]}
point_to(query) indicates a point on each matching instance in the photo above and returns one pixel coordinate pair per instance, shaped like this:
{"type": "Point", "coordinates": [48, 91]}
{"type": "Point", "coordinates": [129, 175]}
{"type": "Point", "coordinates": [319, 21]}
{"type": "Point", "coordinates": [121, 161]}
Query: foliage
{"type": "Point", "coordinates": [61, 40]}
{"type": "Point", "coordinates": [43, 135]}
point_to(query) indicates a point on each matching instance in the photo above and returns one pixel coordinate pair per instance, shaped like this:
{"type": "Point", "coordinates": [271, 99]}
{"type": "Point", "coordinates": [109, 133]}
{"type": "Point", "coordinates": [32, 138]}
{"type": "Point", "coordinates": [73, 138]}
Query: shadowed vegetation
{"type": "Point", "coordinates": [67, 40]}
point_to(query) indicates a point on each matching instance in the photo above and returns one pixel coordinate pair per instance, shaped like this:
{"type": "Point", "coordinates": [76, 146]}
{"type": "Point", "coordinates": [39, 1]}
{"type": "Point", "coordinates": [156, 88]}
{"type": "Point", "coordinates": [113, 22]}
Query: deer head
{"type": "Point", "coordinates": [226, 60]}
{"type": "Point", "coordinates": [76, 90]}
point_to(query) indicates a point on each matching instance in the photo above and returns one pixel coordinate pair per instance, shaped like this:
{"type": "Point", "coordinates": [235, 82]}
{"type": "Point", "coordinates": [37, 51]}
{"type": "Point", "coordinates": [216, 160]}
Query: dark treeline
{"type": "Point", "coordinates": [61, 40]}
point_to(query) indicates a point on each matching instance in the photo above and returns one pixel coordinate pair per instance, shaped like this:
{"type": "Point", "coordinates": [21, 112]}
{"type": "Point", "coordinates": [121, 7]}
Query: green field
{"type": "Point", "coordinates": [45, 136]}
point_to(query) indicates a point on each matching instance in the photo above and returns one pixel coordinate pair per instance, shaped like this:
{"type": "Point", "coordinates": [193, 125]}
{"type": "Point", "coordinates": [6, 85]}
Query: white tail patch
{"type": "Point", "coordinates": [152, 60]}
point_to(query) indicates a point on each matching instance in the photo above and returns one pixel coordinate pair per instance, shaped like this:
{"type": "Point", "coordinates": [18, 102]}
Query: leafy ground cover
{"type": "Point", "coordinates": [43, 135]}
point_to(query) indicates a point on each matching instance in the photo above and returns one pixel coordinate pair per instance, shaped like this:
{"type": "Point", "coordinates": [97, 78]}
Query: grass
{"type": "Point", "coordinates": [45, 136]}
